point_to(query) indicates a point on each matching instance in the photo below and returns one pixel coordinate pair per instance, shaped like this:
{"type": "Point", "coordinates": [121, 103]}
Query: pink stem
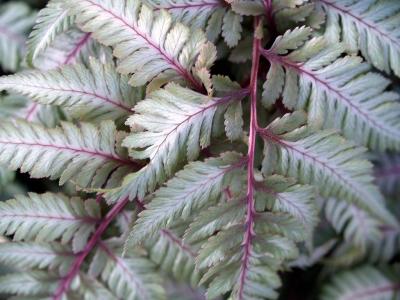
{"type": "Point", "coordinates": [32, 111]}
{"type": "Point", "coordinates": [270, 15]}
{"type": "Point", "coordinates": [74, 53]}
{"type": "Point", "coordinates": [249, 234]}
{"type": "Point", "coordinates": [94, 240]}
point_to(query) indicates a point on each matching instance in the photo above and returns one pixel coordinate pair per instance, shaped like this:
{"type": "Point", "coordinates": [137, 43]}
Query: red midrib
{"type": "Point", "coordinates": [279, 196]}
{"type": "Point", "coordinates": [362, 21]}
{"type": "Point", "coordinates": [174, 64]}
{"type": "Point", "coordinates": [328, 88]}
{"type": "Point", "coordinates": [66, 148]}
{"type": "Point", "coordinates": [82, 42]}
{"type": "Point", "coordinates": [277, 140]}
{"type": "Point", "coordinates": [224, 170]}
{"type": "Point", "coordinates": [93, 241]}
{"type": "Point", "coordinates": [123, 266]}
{"type": "Point", "coordinates": [31, 111]}
{"type": "Point", "coordinates": [116, 103]}
{"type": "Point", "coordinates": [179, 243]}
{"type": "Point", "coordinates": [220, 101]}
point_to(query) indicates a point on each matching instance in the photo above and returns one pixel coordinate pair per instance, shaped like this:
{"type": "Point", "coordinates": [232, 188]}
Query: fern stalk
{"type": "Point", "coordinates": [269, 12]}
{"type": "Point", "coordinates": [92, 243]}
{"type": "Point", "coordinates": [251, 212]}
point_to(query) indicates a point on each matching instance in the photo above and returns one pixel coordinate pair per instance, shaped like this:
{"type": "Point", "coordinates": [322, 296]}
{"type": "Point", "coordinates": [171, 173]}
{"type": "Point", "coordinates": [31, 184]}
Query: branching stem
{"type": "Point", "coordinates": [94, 240]}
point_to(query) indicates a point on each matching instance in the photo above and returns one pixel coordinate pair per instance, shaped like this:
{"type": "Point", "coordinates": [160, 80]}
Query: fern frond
{"type": "Point", "coordinates": [213, 16]}
{"type": "Point", "coordinates": [92, 93]}
{"type": "Point", "coordinates": [51, 21]}
{"type": "Point", "coordinates": [33, 283]}
{"type": "Point", "coordinates": [72, 46]}
{"type": "Point", "coordinates": [284, 195]}
{"type": "Point", "coordinates": [387, 173]}
{"type": "Point", "coordinates": [364, 282]}
{"type": "Point", "coordinates": [337, 92]}
{"type": "Point", "coordinates": [48, 217]}
{"type": "Point", "coordinates": [199, 184]}
{"type": "Point", "coordinates": [16, 19]}
{"type": "Point", "coordinates": [357, 225]}
{"type": "Point", "coordinates": [36, 255]}
{"type": "Point", "coordinates": [371, 27]}
{"type": "Point", "coordinates": [130, 277]}
{"type": "Point", "coordinates": [175, 122]}
{"type": "Point", "coordinates": [385, 248]}
{"type": "Point", "coordinates": [248, 269]}
{"type": "Point", "coordinates": [336, 167]}
{"type": "Point", "coordinates": [92, 289]}
{"type": "Point", "coordinates": [148, 46]}
{"type": "Point", "coordinates": [87, 155]}
{"type": "Point", "coordinates": [174, 256]}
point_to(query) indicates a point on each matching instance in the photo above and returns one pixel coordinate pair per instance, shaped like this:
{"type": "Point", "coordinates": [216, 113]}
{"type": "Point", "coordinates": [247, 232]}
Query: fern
{"type": "Point", "coordinates": [364, 283]}
{"type": "Point", "coordinates": [213, 16]}
{"type": "Point", "coordinates": [166, 136]}
{"type": "Point", "coordinates": [370, 28]}
{"type": "Point", "coordinates": [93, 94]}
{"type": "Point", "coordinates": [358, 226]}
{"type": "Point", "coordinates": [322, 157]}
{"type": "Point", "coordinates": [35, 255]}
{"type": "Point", "coordinates": [71, 46]}
{"type": "Point", "coordinates": [185, 193]}
{"type": "Point", "coordinates": [387, 173]}
{"type": "Point", "coordinates": [337, 92]}
{"type": "Point", "coordinates": [129, 277]}
{"type": "Point", "coordinates": [48, 217]}
{"type": "Point", "coordinates": [165, 166]}
{"type": "Point", "coordinates": [50, 22]}
{"type": "Point", "coordinates": [62, 152]}
{"type": "Point", "coordinates": [158, 46]}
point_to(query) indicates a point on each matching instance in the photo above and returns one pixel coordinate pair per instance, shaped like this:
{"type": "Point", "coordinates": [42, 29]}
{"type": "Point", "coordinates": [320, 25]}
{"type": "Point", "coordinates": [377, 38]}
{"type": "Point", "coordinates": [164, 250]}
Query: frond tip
{"type": "Point", "coordinates": [174, 123]}
{"type": "Point", "coordinates": [51, 21]}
